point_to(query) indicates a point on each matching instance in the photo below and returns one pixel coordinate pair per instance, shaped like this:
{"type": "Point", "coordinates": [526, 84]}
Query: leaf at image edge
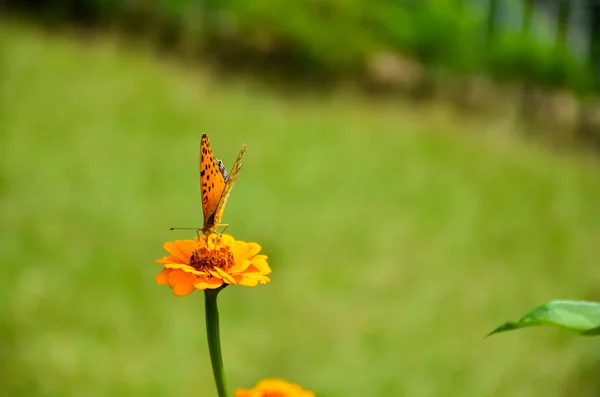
{"type": "Point", "coordinates": [577, 316]}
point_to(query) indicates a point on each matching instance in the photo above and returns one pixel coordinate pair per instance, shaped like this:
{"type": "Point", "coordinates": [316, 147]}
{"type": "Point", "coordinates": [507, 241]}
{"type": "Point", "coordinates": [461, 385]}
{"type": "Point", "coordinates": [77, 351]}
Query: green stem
{"type": "Point", "coordinates": [214, 340]}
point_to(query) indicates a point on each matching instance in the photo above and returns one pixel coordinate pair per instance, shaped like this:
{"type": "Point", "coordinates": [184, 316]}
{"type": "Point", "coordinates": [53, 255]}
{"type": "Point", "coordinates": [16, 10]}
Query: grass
{"type": "Point", "coordinates": [398, 236]}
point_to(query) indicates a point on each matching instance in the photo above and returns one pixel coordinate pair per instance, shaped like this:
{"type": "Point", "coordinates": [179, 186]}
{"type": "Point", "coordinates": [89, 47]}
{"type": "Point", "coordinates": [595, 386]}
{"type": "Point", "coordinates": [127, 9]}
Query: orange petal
{"type": "Point", "coordinates": [163, 276]}
{"type": "Point", "coordinates": [243, 250]}
{"type": "Point", "coordinates": [259, 278]}
{"type": "Point", "coordinates": [251, 270]}
{"type": "Point", "coordinates": [180, 250]}
{"type": "Point", "coordinates": [262, 266]}
{"type": "Point", "coordinates": [183, 250]}
{"type": "Point", "coordinates": [225, 276]}
{"type": "Point", "coordinates": [279, 387]}
{"type": "Point", "coordinates": [181, 283]}
{"type": "Point", "coordinates": [262, 279]}
{"type": "Point", "coordinates": [253, 249]}
{"type": "Point", "coordinates": [260, 257]}
{"type": "Point", "coordinates": [169, 259]}
{"type": "Point", "coordinates": [251, 280]}
{"type": "Point", "coordinates": [185, 268]}
{"type": "Point", "coordinates": [214, 273]}
{"type": "Point", "coordinates": [276, 384]}
{"type": "Point", "coordinates": [168, 246]}
{"type": "Point", "coordinates": [240, 266]}
{"type": "Point", "coordinates": [208, 283]}
{"type": "Point", "coordinates": [182, 290]}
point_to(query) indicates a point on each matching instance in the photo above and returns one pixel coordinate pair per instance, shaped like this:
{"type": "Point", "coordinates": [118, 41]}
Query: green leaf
{"type": "Point", "coordinates": [577, 316]}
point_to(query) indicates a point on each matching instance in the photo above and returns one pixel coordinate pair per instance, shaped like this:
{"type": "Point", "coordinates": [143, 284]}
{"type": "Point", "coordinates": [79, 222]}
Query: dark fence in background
{"type": "Point", "coordinates": [573, 25]}
{"type": "Point", "coordinates": [474, 51]}
{"type": "Point", "coordinates": [547, 42]}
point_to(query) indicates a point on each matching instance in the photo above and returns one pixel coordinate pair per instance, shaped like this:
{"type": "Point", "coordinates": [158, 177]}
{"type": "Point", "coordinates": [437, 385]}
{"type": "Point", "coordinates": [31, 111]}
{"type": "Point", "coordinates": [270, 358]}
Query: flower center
{"type": "Point", "coordinates": [204, 259]}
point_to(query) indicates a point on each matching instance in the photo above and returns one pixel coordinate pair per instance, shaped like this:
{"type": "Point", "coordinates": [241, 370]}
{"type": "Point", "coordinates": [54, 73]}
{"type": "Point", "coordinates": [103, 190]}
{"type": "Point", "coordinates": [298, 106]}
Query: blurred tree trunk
{"type": "Point", "coordinates": [528, 97]}
{"type": "Point", "coordinates": [594, 50]}
{"type": "Point", "coordinates": [562, 22]}
{"type": "Point", "coordinates": [589, 122]}
{"type": "Point", "coordinates": [491, 21]}
{"type": "Point", "coordinates": [528, 8]}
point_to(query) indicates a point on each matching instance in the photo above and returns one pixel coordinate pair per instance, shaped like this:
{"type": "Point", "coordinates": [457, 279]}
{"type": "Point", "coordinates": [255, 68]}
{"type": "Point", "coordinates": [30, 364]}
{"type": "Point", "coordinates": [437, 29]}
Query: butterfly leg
{"type": "Point", "coordinates": [226, 226]}
{"type": "Point", "coordinates": [215, 240]}
{"type": "Point", "coordinates": [207, 237]}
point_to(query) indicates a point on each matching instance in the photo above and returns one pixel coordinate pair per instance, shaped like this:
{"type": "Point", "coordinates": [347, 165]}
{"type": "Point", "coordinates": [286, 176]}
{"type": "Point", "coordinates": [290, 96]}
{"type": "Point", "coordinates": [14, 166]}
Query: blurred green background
{"type": "Point", "coordinates": [399, 233]}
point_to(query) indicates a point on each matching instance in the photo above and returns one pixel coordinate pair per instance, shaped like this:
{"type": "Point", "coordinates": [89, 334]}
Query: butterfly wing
{"type": "Point", "coordinates": [230, 180]}
{"type": "Point", "coordinates": [213, 181]}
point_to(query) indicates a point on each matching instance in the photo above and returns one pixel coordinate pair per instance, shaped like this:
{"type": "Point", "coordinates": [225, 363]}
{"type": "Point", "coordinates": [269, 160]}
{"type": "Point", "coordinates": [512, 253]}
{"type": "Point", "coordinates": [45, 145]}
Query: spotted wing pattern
{"type": "Point", "coordinates": [212, 181]}
{"type": "Point", "coordinates": [215, 184]}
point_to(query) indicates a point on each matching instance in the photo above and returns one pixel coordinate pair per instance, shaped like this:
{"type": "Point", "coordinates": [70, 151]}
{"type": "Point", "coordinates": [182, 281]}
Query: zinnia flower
{"type": "Point", "coordinates": [211, 261]}
{"type": "Point", "coordinates": [274, 388]}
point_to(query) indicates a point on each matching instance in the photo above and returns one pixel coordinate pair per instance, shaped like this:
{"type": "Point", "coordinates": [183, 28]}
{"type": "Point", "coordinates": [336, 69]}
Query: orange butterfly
{"type": "Point", "coordinates": [215, 185]}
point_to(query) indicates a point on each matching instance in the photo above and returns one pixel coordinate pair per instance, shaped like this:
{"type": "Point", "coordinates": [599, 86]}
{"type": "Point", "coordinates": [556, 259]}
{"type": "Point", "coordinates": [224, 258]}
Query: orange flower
{"type": "Point", "coordinates": [211, 261]}
{"type": "Point", "coordinates": [274, 388]}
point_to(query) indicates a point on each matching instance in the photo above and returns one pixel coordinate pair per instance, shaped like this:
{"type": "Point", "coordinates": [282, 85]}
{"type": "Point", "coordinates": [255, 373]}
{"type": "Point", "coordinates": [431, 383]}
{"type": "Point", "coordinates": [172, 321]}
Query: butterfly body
{"type": "Point", "coordinates": [215, 184]}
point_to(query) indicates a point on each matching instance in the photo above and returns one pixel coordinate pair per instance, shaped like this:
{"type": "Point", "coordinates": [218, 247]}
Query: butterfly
{"type": "Point", "coordinates": [215, 185]}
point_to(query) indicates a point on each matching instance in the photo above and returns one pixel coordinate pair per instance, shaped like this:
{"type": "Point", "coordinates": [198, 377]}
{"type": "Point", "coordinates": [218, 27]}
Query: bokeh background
{"type": "Point", "coordinates": [417, 171]}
